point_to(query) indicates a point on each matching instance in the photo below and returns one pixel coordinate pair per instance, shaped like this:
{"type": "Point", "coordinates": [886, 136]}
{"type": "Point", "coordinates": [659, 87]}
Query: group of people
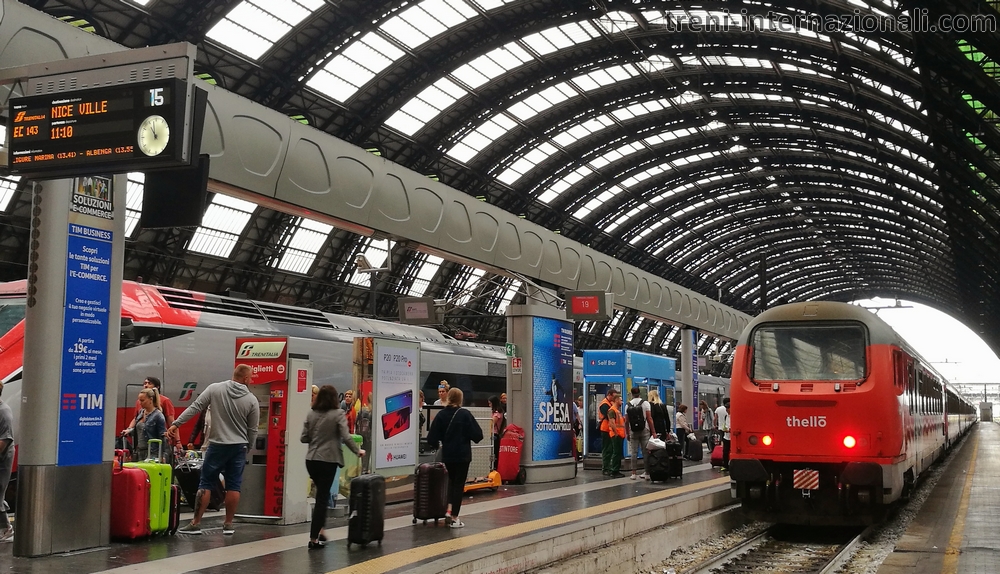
{"type": "Point", "coordinates": [654, 420]}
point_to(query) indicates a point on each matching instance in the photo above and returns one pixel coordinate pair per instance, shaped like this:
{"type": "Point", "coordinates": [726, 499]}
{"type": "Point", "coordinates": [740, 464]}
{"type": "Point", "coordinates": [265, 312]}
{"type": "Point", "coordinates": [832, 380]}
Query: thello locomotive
{"type": "Point", "coordinates": [834, 416]}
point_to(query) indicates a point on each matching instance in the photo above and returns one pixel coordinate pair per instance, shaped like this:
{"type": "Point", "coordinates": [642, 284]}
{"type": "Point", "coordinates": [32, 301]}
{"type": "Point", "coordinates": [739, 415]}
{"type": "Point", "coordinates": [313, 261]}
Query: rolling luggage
{"type": "Point", "coordinates": [188, 475]}
{"type": "Point", "coordinates": [160, 479]}
{"type": "Point", "coordinates": [366, 510]}
{"type": "Point", "coordinates": [430, 492]}
{"type": "Point", "coordinates": [174, 517]}
{"type": "Point", "coordinates": [717, 456]}
{"type": "Point", "coordinates": [694, 449]}
{"type": "Point", "coordinates": [675, 460]}
{"type": "Point", "coordinates": [659, 465]}
{"type": "Point", "coordinates": [129, 503]}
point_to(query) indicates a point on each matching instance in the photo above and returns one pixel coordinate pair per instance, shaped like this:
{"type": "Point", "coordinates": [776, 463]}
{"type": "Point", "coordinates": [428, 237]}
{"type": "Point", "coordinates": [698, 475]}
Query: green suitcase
{"type": "Point", "coordinates": [160, 479]}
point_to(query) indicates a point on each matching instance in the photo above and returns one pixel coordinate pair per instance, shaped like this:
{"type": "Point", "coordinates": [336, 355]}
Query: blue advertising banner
{"type": "Point", "coordinates": [694, 377]}
{"type": "Point", "coordinates": [552, 388]}
{"type": "Point", "coordinates": [85, 346]}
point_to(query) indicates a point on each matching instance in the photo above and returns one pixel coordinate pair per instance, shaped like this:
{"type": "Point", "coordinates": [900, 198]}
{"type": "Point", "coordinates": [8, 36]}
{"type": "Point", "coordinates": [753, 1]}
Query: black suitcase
{"type": "Point", "coordinates": [188, 475]}
{"type": "Point", "coordinates": [694, 450]}
{"type": "Point", "coordinates": [675, 460]}
{"type": "Point", "coordinates": [430, 492]}
{"type": "Point", "coordinates": [366, 510]}
{"type": "Point", "coordinates": [659, 466]}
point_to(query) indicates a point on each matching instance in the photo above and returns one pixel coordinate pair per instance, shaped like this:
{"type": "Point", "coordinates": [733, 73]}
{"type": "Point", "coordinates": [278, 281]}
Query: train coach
{"type": "Point", "coordinates": [187, 339]}
{"type": "Point", "coordinates": [834, 416]}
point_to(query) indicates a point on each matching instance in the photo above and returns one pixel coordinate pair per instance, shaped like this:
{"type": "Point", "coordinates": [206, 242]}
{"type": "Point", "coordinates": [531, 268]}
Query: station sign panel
{"type": "Point", "coordinates": [126, 127]}
{"type": "Point", "coordinates": [589, 305]}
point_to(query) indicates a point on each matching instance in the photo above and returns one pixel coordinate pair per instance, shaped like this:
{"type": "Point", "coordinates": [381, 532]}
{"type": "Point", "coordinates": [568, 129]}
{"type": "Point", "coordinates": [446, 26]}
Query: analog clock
{"type": "Point", "coordinates": [154, 133]}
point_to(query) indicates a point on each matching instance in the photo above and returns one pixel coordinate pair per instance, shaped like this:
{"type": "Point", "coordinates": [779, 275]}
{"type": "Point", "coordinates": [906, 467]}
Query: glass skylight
{"type": "Point", "coordinates": [508, 296]}
{"type": "Point", "coordinates": [254, 26]}
{"type": "Point", "coordinates": [133, 201]}
{"type": "Point", "coordinates": [423, 278]}
{"type": "Point", "coordinates": [464, 291]}
{"type": "Point", "coordinates": [8, 185]}
{"type": "Point", "coordinates": [303, 245]}
{"type": "Point", "coordinates": [224, 222]}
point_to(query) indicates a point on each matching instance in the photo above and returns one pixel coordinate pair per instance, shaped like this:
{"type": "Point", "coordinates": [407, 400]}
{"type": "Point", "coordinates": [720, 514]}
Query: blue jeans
{"type": "Point", "coordinates": [227, 459]}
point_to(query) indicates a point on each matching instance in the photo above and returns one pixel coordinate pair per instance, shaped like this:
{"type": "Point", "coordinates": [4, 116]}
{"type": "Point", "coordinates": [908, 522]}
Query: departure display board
{"type": "Point", "coordinates": [129, 127]}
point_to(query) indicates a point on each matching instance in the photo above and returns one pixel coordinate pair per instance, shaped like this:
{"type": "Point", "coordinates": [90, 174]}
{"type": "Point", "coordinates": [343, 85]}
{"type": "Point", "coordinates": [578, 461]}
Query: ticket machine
{"type": "Point", "coordinates": [272, 490]}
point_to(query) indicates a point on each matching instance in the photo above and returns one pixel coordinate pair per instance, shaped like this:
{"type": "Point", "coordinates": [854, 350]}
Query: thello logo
{"type": "Point", "coordinates": [261, 350]}
{"type": "Point", "coordinates": [812, 421]}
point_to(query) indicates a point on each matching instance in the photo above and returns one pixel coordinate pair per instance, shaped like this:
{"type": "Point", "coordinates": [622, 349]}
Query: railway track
{"type": "Point", "coordinates": [788, 550]}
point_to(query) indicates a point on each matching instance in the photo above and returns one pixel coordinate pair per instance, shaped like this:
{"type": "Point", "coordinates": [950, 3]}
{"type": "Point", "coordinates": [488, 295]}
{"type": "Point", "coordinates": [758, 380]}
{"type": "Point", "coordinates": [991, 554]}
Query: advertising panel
{"type": "Point", "coordinates": [552, 389]}
{"type": "Point", "coordinates": [395, 419]}
{"type": "Point", "coordinates": [85, 345]}
{"type": "Point", "coordinates": [268, 356]}
{"type": "Point", "coordinates": [694, 377]}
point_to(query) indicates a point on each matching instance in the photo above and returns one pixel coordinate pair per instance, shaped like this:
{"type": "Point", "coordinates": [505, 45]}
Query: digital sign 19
{"type": "Point", "coordinates": [106, 129]}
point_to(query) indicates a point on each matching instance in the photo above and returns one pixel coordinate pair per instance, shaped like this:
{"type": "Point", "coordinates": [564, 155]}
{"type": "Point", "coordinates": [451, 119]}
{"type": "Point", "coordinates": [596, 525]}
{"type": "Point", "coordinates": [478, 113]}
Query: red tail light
{"type": "Point", "coordinates": [849, 441]}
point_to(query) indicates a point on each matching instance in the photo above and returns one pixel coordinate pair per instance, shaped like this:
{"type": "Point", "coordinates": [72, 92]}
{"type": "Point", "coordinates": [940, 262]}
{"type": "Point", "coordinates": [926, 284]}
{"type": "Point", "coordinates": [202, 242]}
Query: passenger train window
{"type": "Point", "coordinates": [808, 352]}
{"type": "Point", "coordinates": [11, 313]}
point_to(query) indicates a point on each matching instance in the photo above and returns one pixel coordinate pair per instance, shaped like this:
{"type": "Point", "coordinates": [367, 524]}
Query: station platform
{"type": "Point", "coordinates": [955, 531]}
{"type": "Point", "coordinates": [514, 529]}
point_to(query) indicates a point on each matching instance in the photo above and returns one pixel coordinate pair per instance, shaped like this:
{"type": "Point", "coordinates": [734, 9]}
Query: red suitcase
{"type": "Point", "coordinates": [717, 456]}
{"type": "Point", "coordinates": [129, 503]}
{"type": "Point", "coordinates": [509, 465]}
{"type": "Point", "coordinates": [430, 492]}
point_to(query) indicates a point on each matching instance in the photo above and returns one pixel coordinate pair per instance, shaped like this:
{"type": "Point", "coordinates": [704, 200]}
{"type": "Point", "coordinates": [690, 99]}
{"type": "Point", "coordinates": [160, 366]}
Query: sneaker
{"type": "Point", "coordinates": [7, 534]}
{"type": "Point", "coordinates": [191, 528]}
{"type": "Point", "coordinates": [616, 475]}
{"type": "Point", "coordinates": [633, 476]}
{"type": "Point", "coordinates": [456, 523]}
{"type": "Point", "coordinates": [644, 476]}
{"type": "Point", "coordinates": [228, 530]}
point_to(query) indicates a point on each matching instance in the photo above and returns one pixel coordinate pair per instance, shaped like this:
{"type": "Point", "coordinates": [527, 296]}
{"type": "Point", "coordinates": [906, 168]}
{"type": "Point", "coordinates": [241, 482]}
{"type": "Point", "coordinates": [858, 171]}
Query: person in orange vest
{"type": "Point", "coordinates": [602, 419]}
{"type": "Point", "coordinates": [616, 431]}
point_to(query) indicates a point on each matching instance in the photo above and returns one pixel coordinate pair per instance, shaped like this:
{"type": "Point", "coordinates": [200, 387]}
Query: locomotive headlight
{"type": "Point", "coordinates": [849, 441]}
{"type": "Point", "coordinates": [766, 440]}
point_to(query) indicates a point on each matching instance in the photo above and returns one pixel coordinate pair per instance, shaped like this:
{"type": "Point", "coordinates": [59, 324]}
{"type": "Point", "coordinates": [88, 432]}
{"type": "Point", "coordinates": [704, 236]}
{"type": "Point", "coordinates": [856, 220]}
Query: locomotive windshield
{"type": "Point", "coordinates": [11, 313]}
{"type": "Point", "coordinates": [804, 352]}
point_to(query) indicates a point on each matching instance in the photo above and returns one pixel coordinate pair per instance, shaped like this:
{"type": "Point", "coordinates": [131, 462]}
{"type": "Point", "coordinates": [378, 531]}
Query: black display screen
{"type": "Point", "coordinates": [98, 129]}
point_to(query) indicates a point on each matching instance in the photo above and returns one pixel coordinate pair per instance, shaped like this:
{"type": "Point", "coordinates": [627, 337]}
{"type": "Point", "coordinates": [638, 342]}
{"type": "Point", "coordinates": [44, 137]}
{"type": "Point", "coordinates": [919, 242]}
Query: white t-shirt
{"type": "Point", "coordinates": [646, 409]}
{"type": "Point", "coordinates": [723, 417]}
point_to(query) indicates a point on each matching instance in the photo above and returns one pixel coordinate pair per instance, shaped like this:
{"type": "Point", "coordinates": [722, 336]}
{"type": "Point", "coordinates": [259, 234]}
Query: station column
{"type": "Point", "coordinates": [72, 326]}
{"type": "Point", "coordinates": [539, 396]}
{"type": "Point", "coordinates": [688, 363]}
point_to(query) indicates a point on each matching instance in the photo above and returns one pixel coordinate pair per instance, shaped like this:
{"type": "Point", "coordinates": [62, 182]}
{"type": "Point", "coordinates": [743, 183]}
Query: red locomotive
{"type": "Point", "coordinates": [834, 415]}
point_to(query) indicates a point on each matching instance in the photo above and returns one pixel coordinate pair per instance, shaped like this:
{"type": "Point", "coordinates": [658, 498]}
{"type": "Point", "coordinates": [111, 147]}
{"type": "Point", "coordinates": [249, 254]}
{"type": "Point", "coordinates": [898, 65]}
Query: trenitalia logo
{"type": "Point", "coordinates": [261, 350]}
{"type": "Point", "coordinates": [812, 421]}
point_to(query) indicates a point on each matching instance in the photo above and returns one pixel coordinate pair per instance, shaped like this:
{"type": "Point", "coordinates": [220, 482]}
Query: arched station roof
{"type": "Point", "coordinates": [756, 152]}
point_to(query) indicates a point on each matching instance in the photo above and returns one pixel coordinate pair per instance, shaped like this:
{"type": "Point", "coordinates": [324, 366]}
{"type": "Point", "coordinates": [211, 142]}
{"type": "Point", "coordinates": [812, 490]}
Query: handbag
{"type": "Point", "coordinates": [439, 455]}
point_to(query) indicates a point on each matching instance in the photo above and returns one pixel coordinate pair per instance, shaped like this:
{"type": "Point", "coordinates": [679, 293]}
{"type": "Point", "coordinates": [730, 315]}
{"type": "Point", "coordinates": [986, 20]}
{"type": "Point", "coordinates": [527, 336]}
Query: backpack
{"type": "Point", "coordinates": [636, 417]}
{"type": "Point", "coordinates": [363, 426]}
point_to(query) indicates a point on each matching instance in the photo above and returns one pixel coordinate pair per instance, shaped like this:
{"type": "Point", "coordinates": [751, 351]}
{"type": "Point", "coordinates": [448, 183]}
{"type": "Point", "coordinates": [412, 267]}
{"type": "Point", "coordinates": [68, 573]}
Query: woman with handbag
{"type": "Point", "coordinates": [454, 429]}
{"type": "Point", "coordinates": [325, 429]}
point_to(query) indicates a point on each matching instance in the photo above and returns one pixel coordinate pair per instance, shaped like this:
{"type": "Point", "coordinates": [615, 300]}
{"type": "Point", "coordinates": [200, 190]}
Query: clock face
{"type": "Point", "coordinates": [154, 133]}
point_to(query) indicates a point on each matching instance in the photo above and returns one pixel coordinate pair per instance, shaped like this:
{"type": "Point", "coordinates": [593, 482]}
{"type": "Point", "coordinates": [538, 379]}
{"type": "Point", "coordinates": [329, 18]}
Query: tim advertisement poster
{"type": "Point", "coordinates": [552, 389]}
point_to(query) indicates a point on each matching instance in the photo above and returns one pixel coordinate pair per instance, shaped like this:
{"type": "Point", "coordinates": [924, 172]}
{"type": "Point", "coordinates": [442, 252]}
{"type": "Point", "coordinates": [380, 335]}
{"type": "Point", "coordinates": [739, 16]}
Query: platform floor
{"type": "Point", "coordinates": [957, 531]}
{"type": "Point", "coordinates": [490, 517]}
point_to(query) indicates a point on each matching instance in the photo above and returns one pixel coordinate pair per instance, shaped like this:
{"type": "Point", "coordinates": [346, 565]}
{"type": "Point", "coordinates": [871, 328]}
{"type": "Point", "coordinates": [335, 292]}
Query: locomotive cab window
{"type": "Point", "coordinates": [809, 352]}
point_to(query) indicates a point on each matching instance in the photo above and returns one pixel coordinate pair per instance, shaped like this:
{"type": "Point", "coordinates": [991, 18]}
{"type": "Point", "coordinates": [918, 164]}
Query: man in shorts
{"type": "Point", "coordinates": [235, 414]}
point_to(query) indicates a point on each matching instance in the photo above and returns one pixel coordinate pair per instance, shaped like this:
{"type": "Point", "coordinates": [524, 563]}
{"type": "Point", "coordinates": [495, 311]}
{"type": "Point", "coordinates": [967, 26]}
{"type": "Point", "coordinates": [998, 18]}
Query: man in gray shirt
{"type": "Point", "coordinates": [6, 464]}
{"type": "Point", "coordinates": [235, 415]}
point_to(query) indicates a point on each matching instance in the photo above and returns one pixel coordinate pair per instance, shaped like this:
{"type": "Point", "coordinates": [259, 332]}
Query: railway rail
{"type": "Point", "coordinates": [783, 549]}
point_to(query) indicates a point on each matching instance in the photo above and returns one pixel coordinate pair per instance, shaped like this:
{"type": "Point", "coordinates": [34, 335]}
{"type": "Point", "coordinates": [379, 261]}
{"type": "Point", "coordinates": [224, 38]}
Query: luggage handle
{"type": "Point", "coordinates": [159, 456]}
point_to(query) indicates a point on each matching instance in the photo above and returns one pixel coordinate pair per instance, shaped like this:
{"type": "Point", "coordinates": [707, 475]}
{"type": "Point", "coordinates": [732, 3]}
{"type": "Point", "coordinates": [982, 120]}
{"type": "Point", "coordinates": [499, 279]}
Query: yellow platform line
{"type": "Point", "coordinates": [952, 552]}
{"type": "Point", "coordinates": [445, 548]}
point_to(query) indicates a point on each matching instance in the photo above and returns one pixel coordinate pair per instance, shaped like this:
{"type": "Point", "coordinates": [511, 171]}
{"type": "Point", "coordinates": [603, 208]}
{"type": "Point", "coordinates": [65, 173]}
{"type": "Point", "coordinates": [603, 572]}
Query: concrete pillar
{"type": "Point", "coordinates": [72, 327]}
{"type": "Point", "coordinates": [538, 399]}
{"type": "Point", "coordinates": [688, 362]}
